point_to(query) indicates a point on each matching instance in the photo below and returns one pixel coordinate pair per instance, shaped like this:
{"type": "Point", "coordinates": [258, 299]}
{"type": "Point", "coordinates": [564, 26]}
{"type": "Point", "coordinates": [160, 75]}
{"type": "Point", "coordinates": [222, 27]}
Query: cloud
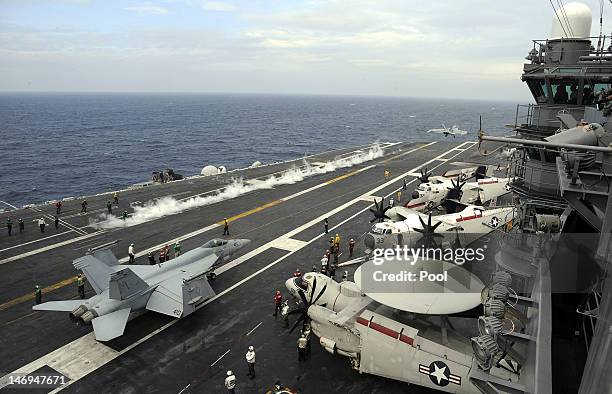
{"type": "Point", "coordinates": [148, 8]}
{"type": "Point", "coordinates": [218, 6]}
{"type": "Point", "coordinates": [378, 47]}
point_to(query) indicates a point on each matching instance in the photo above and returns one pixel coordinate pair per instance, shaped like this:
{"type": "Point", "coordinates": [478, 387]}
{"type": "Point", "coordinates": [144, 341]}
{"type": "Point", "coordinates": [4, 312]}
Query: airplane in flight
{"type": "Point", "coordinates": [454, 131]}
{"type": "Point", "coordinates": [175, 288]}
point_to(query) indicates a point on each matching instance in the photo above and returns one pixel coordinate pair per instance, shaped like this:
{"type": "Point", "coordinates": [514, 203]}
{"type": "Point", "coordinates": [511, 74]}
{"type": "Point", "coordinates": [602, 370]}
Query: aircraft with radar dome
{"type": "Point", "coordinates": [434, 189]}
{"type": "Point", "coordinates": [464, 224]}
{"type": "Point", "coordinates": [413, 338]}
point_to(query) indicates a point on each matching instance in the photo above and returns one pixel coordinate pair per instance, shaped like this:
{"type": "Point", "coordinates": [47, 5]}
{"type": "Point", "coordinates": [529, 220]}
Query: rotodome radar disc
{"type": "Point", "coordinates": [460, 291]}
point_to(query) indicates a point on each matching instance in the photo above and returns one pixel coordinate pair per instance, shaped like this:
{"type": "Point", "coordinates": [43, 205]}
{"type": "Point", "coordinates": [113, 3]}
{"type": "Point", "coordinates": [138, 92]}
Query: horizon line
{"type": "Point", "coordinates": [92, 92]}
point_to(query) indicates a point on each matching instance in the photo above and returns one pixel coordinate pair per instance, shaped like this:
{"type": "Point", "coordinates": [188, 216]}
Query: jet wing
{"type": "Point", "coordinates": [178, 297]}
{"type": "Point", "coordinates": [350, 311]}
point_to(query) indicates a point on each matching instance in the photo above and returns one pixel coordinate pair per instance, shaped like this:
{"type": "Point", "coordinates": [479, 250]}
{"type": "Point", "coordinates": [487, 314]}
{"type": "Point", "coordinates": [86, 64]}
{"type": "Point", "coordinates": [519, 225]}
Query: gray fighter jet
{"type": "Point", "coordinates": [175, 288]}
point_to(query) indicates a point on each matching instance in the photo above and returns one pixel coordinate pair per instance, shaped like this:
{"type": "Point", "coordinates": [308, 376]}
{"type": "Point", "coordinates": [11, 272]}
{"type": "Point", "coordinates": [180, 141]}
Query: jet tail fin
{"type": "Point", "coordinates": [96, 271]}
{"type": "Point", "coordinates": [59, 306]}
{"type": "Point", "coordinates": [112, 325]}
{"type": "Point", "coordinates": [106, 256]}
{"type": "Point", "coordinates": [124, 284]}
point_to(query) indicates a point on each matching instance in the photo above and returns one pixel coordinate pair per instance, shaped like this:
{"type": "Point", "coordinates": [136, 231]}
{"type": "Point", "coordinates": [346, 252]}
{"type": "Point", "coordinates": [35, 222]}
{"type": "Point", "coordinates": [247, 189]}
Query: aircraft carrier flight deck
{"type": "Point", "coordinates": [161, 354]}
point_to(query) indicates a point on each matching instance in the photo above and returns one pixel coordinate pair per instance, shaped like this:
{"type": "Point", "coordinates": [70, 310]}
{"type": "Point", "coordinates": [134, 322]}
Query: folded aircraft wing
{"type": "Point", "coordinates": [403, 212]}
{"type": "Point", "coordinates": [178, 296]}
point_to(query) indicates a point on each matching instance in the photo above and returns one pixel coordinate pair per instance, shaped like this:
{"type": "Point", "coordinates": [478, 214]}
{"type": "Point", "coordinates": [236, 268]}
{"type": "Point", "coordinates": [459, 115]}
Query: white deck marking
{"type": "Point", "coordinates": [371, 198]}
{"type": "Point", "coordinates": [76, 353]}
{"type": "Point", "coordinates": [254, 328]}
{"type": "Point", "coordinates": [46, 248]}
{"type": "Point", "coordinates": [184, 388]}
{"type": "Point", "coordinates": [10, 205]}
{"type": "Point", "coordinates": [288, 244]}
{"type": "Point", "coordinates": [241, 259]}
{"type": "Point", "coordinates": [36, 240]}
{"type": "Point", "coordinates": [74, 360]}
{"type": "Point", "coordinates": [63, 222]}
{"type": "Point", "coordinates": [220, 357]}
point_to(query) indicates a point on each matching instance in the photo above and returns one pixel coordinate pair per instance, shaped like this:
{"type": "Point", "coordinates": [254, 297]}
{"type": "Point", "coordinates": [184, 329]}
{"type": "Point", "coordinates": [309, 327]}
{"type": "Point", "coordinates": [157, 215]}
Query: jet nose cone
{"type": "Point", "coordinates": [368, 240]}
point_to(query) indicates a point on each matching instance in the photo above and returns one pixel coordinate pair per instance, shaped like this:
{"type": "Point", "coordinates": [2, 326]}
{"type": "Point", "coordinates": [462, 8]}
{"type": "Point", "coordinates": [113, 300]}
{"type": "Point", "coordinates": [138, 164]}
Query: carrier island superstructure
{"type": "Point", "coordinates": [561, 176]}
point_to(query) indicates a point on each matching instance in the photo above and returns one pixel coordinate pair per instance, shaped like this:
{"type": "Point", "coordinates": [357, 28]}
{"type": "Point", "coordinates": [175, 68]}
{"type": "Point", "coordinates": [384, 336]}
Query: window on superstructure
{"type": "Point", "coordinates": [592, 90]}
{"type": "Point", "coordinates": [564, 92]}
{"type": "Point", "coordinates": [539, 90]}
{"type": "Point", "coordinates": [600, 88]}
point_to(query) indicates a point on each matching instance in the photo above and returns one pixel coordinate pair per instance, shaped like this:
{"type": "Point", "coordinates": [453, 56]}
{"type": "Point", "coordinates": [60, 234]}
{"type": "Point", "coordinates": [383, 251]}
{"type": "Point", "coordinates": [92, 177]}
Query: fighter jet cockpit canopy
{"type": "Point", "coordinates": [213, 243]}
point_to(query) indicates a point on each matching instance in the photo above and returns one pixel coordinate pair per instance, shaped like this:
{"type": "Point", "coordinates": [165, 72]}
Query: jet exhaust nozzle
{"type": "Point", "coordinates": [78, 312]}
{"type": "Point", "coordinates": [369, 241]}
{"type": "Point", "coordinates": [88, 316]}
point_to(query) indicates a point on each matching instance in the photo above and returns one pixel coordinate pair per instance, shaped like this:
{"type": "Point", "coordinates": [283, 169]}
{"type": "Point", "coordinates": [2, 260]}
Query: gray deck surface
{"type": "Point", "coordinates": [182, 353]}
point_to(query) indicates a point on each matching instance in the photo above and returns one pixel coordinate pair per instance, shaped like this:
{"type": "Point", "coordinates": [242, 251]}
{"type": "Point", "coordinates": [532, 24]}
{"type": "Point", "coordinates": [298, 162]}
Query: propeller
{"type": "Point", "coordinates": [428, 240]}
{"type": "Point", "coordinates": [454, 193]}
{"type": "Point", "coordinates": [380, 211]}
{"type": "Point", "coordinates": [303, 310]}
{"type": "Point", "coordinates": [424, 178]}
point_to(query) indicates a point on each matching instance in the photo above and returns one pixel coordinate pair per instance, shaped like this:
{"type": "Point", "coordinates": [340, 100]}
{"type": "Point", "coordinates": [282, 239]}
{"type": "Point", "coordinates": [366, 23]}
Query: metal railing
{"type": "Point", "coordinates": [540, 47]}
{"type": "Point", "coordinates": [527, 114]}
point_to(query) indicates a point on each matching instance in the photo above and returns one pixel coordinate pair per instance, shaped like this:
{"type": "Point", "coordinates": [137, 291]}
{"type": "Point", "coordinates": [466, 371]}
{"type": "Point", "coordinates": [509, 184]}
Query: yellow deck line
{"type": "Point", "coordinates": [65, 282]}
{"type": "Point", "coordinates": [31, 296]}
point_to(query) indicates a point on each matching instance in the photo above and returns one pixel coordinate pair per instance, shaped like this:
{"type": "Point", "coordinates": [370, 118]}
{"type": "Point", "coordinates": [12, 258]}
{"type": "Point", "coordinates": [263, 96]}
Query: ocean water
{"type": "Point", "coordinates": [59, 145]}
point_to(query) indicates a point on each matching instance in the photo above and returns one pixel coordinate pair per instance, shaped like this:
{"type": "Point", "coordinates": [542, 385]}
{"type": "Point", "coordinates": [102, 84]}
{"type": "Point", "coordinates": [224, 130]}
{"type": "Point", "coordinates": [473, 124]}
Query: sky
{"type": "Point", "coordinates": [470, 49]}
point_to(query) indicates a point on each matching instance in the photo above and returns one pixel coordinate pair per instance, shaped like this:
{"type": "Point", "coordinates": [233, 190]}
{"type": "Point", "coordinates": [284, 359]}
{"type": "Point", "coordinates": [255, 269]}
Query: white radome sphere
{"type": "Point", "coordinates": [222, 170]}
{"type": "Point", "coordinates": [209, 170]}
{"type": "Point", "coordinates": [580, 19]}
{"type": "Point", "coordinates": [256, 164]}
